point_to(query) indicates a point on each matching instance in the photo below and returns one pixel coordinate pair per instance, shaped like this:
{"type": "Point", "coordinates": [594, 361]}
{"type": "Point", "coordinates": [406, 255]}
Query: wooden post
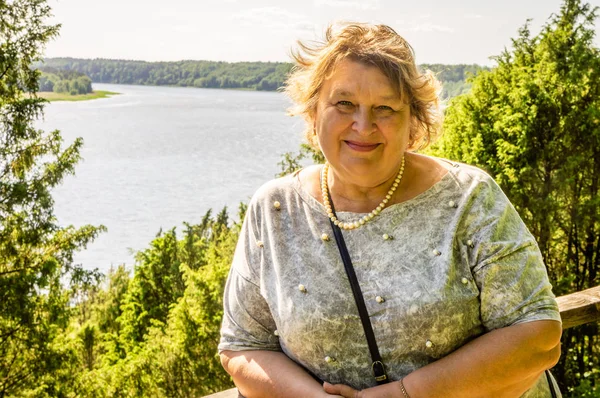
{"type": "Point", "coordinates": [579, 308]}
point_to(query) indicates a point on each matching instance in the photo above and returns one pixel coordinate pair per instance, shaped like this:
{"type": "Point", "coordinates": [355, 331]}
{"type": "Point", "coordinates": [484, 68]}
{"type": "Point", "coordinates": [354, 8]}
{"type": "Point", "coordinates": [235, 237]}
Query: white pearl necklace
{"type": "Point", "coordinates": [368, 217]}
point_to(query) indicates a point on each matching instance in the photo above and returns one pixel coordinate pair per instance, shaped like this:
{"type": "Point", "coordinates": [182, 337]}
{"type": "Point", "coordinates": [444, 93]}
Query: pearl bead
{"type": "Point", "coordinates": [364, 219]}
{"type": "Point", "coordinates": [464, 281]}
{"type": "Point", "coordinates": [428, 344]}
{"type": "Point", "coordinates": [325, 237]}
{"type": "Point", "coordinates": [277, 205]}
{"type": "Point", "coordinates": [387, 237]}
{"type": "Point", "coordinates": [329, 359]}
{"type": "Point", "coordinates": [470, 243]}
{"type": "Point", "coordinates": [260, 243]}
{"type": "Point", "coordinates": [302, 288]}
{"type": "Point", "coordinates": [276, 333]}
{"type": "Point", "coordinates": [451, 204]}
{"type": "Point", "coordinates": [379, 299]}
{"type": "Point", "coordinates": [437, 252]}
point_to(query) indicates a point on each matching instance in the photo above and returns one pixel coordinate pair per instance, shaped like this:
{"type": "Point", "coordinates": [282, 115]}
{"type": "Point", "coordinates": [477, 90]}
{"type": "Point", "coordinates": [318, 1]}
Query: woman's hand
{"type": "Point", "coordinates": [341, 390]}
{"type": "Point", "coordinates": [390, 390]}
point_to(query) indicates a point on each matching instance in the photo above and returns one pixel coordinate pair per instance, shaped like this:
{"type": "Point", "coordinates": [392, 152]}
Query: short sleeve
{"type": "Point", "coordinates": [247, 321]}
{"type": "Point", "coordinates": [507, 264]}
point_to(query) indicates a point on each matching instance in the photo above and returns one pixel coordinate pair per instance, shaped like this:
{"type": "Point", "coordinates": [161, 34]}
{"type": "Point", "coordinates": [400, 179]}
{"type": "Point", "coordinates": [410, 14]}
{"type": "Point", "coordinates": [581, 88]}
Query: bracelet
{"type": "Point", "coordinates": [403, 389]}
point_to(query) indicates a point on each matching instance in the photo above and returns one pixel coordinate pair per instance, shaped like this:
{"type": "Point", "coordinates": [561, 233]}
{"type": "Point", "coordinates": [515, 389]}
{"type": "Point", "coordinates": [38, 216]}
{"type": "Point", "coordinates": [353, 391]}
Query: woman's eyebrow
{"type": "Point", "coordinates": [342, 93]}
{"type": "Point", "coordinates": [346, 93]}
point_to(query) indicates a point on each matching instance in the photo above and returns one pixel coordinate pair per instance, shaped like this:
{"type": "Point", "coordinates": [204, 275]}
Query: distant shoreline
{"type": "Point", "coordinates": [55, 97]}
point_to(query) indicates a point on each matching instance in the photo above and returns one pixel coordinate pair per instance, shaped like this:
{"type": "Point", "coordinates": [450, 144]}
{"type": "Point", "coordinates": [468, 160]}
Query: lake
{"type": "Point", "coordinates": [155, 157]}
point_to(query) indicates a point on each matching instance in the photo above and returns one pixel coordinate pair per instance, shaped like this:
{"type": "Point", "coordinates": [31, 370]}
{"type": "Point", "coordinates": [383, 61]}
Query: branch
{"type": "Point", "coordinates": [5, 72]}
{"type": "Point", "coordinates": [5, 337]}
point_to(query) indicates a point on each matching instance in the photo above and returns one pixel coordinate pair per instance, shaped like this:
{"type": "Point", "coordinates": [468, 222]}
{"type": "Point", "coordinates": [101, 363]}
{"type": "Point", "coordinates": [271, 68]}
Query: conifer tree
{"type": "Point", "coordinates": [36, 255]}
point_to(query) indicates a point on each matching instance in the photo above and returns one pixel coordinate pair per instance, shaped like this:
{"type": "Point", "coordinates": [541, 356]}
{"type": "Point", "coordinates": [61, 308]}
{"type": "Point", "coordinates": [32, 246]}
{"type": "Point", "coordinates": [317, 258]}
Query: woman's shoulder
{"type": "Point", "coordinates": [289, 188]}
{"type": "Point", "coordinates": [464, 174]}
{"type": "Point", "coordinates": [274, 188]}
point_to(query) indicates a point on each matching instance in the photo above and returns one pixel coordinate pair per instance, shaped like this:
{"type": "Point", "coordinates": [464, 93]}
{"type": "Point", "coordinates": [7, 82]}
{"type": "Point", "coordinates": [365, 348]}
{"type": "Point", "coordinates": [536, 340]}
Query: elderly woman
{"type": "Point", "coordinates": [454, 289]}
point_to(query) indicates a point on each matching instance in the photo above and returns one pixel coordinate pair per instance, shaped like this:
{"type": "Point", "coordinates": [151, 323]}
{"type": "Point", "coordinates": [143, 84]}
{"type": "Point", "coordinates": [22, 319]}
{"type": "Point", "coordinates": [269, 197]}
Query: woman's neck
{"type": "Point", "coordinates": [346, 195]}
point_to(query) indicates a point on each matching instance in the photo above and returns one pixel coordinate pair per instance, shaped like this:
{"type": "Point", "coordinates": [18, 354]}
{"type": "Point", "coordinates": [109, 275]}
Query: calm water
{"type": "Point", "coordinates": [155, 157]}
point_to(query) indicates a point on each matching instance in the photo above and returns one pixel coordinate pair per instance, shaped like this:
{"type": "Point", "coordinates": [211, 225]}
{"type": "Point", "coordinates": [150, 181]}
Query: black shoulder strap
{"type": "Point", "coordinates": [377, 364]}
{"type": "Point", "coordinates": [550, 384]}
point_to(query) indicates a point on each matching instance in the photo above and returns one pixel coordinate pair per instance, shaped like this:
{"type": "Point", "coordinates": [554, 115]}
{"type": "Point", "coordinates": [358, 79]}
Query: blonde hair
{"type": "Point", "coordinates": [377, 45]}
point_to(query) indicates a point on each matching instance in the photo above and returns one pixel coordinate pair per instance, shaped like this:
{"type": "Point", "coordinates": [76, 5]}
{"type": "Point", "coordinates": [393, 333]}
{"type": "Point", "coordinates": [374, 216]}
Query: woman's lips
{"type": "Point", "coordinates": [361, 146]}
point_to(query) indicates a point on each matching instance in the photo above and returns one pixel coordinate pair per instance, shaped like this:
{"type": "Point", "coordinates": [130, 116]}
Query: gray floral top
{"type": "Point", "coordinates": [436, 271]}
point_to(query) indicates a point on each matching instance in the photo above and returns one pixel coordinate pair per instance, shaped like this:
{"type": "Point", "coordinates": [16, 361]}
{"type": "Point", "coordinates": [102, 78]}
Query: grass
{"type": "Point", "coordinates": [78, 97]}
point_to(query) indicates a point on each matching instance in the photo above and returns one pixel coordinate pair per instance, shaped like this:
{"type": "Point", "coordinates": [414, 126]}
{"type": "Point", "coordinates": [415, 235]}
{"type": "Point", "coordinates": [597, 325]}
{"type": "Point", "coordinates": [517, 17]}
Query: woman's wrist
{"type": "Point", "coordinates": [403, 389]}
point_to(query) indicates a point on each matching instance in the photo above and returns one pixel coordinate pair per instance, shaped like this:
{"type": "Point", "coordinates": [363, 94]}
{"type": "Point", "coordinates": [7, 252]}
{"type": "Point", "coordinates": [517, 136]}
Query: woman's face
{"type": "Point", "coordinates": [362, 126]}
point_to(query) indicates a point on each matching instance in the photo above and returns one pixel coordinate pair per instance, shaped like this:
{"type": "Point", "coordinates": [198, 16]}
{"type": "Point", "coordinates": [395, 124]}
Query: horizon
{"type": "Point", "coordinates": [208, 60]}
{"type": "Point", "coordinates": [441, 32]}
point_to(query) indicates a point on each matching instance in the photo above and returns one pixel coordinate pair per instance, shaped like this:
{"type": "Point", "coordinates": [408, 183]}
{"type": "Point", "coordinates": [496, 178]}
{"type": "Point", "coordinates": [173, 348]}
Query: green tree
{"type": "Point", "coordinates": [36, 255]}
{"type": "Point", "coordinates": [534, 123]}
{"type": "Point", "coordinates": [173, 349]}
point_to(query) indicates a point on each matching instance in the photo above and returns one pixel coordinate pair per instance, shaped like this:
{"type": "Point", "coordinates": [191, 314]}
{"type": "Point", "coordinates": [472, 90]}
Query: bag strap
{"type": "Point", "coordinates": [550, 384]}
{"type": "Point", "coordinates": [377, 363]}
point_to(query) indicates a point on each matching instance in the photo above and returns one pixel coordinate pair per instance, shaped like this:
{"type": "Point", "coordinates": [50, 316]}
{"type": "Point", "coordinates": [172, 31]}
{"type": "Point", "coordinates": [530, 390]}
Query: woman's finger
{"type": "Point", "coordinates": [340, 389]}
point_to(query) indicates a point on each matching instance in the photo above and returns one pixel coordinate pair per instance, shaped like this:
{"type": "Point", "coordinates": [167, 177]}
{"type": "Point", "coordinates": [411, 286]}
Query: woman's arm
{"type": "Point", "coordinates": [269, 374]}
{"type": "Point", "coordinates": [502, 363]}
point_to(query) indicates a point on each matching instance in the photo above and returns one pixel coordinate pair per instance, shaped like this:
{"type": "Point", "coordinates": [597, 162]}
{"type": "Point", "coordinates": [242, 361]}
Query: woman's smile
{"type": "Point", "coordinates": [361, 146]}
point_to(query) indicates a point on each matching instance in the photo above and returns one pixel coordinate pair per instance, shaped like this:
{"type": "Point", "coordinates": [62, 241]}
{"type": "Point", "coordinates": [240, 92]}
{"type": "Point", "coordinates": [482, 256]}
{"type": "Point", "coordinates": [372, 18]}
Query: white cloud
{"type": "Point", "coordinates": [472, 16]}
{"type": "Point", "coordinates": [273, 18]}
{"type": "Point", "coordinates": [358, 4]}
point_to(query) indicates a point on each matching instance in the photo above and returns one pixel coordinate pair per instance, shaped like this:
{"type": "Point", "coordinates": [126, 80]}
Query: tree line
{"type": "Point", "coordinates": [533, 122]}
{"type": "Point", "coordinates": [262, 76]}
{"type": "Point", "coordinates": [64, 81]}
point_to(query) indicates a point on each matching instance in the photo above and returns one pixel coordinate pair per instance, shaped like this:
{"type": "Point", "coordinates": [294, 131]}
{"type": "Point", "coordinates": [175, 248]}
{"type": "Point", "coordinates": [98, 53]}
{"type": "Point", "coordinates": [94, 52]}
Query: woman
{"type": "Point", "coordinates": [454, 285]}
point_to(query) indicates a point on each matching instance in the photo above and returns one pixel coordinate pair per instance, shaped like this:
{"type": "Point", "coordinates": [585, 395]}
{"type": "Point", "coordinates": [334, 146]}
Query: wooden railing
{"type": "Point", "coordinates": [575, 309]}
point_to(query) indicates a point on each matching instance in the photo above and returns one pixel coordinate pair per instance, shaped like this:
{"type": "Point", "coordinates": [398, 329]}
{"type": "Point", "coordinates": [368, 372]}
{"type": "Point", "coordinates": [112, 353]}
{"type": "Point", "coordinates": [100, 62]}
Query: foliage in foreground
{"type": "Point", "coordinates": [155, 334]}
{"type": "Point", "coordinates": [35, 254]}
{"type": "Point", "coordinates": [533, 123]}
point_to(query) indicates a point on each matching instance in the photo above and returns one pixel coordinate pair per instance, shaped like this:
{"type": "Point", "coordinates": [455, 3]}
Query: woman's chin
{"type": "Point", "coordinates": [366, 174]}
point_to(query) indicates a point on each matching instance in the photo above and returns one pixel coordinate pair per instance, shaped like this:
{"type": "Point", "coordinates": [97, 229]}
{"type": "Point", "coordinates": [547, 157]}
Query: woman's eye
{"type": "Point", "coordinates": [384, 108]}
{"type": "Point", "coordinates": [345, 103]}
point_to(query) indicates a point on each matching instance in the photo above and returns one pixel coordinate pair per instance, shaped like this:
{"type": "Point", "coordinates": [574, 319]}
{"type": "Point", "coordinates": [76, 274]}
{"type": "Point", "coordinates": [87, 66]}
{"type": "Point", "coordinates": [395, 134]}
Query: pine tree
{"type": "Point", "coordinates": [36, 255]}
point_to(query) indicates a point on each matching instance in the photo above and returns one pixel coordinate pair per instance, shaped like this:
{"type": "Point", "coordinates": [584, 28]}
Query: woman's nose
{"type": "Point", "coordinates": [364, 122]}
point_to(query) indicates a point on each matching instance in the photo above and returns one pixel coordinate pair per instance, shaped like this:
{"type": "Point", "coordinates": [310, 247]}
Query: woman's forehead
{"type": "Point", "coordinates": [351, 78]}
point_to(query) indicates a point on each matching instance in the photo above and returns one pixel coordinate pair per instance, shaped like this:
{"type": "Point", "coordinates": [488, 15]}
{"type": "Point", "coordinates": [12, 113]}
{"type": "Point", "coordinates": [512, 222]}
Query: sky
{"type": "Point", "coordinates": [449, 32]}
